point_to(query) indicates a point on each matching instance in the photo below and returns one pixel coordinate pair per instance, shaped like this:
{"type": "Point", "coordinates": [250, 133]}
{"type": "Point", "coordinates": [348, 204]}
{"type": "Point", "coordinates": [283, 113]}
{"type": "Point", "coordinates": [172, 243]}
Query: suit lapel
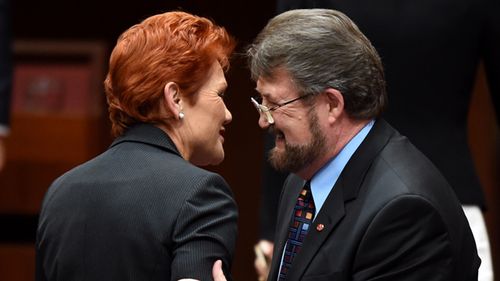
{"type": "Point", "coordinates": [330, 215]}
{"type": "Point", "coordinates": [333, 210]}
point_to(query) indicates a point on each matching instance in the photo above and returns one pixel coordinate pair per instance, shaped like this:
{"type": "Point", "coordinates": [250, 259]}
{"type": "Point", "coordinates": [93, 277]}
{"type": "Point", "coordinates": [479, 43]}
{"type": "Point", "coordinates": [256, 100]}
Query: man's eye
{"type": "Point", "coordinates": [266, 103]}
{"type": "Point", "coordinates": [222, 94]}
{"type": "Point", "coordinates": [258, 99]}
{"type": "Point", "coordinates": [270, 104]}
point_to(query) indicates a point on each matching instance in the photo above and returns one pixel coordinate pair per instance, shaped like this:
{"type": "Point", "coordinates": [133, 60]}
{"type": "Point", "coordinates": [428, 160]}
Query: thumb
{"type": "Point", "coordinates": [217, 272]}
{"type": "Point", "coordinates": [267, 247]}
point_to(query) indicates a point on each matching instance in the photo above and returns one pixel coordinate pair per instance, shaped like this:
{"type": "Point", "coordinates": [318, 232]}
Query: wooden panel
{"type": "Point", "coordinates": [58, 118]}
{"type": "Point", "coordinates": [58, 121]}
{"type": "Point", "coordinates": [17, 262]}
{"type": "Point", "coordinates": [52, 138]}
{"type": "Point", "coordinates": [41, 148]}
{"type": "Point", "coordinates": [24, 184]}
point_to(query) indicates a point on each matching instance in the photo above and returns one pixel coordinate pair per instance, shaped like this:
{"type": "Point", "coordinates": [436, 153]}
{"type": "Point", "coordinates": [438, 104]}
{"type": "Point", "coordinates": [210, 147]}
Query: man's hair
{"type": "Point", "coordinates": [320, 49]}
{"type": "Point", "coordinates": [170, 47]}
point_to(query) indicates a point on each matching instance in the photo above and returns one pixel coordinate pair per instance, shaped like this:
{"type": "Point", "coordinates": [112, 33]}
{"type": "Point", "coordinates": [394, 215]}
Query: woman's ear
{"type": "Point", "coordinates": [335, 101]}
{"type": "Point", "coordinates": [172, 99]}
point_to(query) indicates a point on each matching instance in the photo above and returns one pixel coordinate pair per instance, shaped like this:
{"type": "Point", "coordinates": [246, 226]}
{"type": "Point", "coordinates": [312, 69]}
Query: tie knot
{"type": "Point", "coordinates": [307, 185]}
{"type": "Point", "coordinates": [306, 191]}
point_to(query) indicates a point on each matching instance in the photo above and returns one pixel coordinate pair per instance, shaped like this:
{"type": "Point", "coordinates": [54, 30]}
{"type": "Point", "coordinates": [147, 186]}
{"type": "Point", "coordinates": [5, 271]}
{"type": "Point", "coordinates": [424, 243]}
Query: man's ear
{"type": "Point", "coordinates": [172, 99]}
{"type": "Point", "coordinates": [335, 101]}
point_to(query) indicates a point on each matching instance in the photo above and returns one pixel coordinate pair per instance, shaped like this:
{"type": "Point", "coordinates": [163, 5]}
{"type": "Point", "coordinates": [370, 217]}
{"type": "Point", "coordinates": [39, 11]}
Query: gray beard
{"type": "Point", "coordinates": [296, 157]}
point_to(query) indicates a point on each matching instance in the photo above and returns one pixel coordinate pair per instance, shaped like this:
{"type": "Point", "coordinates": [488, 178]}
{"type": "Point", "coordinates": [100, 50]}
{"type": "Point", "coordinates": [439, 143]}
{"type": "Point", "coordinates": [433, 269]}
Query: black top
{"type": "Point", "coordinates": [138, 211]}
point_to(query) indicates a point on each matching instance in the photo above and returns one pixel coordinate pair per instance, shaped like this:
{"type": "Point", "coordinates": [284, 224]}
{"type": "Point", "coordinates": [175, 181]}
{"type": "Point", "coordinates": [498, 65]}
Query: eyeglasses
{"type": "Point", "coordinates": [262, 109]}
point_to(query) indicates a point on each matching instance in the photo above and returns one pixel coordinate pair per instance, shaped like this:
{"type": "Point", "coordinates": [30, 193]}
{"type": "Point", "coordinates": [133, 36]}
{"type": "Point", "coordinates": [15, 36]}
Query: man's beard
{"type": "Point", "coordinates": [296, 157]}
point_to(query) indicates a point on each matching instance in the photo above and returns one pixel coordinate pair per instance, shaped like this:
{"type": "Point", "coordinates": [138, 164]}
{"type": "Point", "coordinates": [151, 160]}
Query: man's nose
{"type": "Point", "coordinates": [263, 123]}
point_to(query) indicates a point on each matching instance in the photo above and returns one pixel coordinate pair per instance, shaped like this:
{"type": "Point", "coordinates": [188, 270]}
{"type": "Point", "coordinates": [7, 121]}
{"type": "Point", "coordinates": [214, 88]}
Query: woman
{"type": "Point", "coordinates": [143, 210]}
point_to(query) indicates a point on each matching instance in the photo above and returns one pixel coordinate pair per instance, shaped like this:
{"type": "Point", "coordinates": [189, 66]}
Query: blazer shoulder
{"type": "Point", "coordinates": [417, 238]}
{"type": "Point", "coordinates": [410, 166]}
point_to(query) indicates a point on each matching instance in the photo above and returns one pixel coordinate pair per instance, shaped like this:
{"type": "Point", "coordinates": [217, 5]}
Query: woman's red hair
{"type": "Point", "coordinates": [170, 47]}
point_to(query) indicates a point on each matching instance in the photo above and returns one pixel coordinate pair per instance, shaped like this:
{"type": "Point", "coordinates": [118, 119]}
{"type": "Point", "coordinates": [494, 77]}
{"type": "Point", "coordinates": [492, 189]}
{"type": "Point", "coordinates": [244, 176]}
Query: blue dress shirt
{"type": "Point", "coordinates": [323, 181]}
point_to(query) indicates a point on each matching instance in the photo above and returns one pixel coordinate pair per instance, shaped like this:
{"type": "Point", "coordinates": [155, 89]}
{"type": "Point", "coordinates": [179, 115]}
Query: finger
{"type": "Point", "coordinates": [260, 261]}
{"type": "Point", "coordinates": [217, 272]}
{"type": "Point", "coordinates": [266, 248]}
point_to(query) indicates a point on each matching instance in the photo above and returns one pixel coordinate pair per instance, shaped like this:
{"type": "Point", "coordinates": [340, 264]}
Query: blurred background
{"type": "Point", "coordinates": [59, 117]}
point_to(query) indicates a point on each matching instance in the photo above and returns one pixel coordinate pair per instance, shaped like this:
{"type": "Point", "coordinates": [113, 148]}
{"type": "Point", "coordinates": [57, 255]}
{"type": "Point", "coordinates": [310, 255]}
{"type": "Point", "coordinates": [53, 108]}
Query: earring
{"type": "Point", "coordinates": [181, 115]}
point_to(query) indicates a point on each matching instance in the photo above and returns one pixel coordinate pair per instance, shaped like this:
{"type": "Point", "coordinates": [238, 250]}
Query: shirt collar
{"type": "Point", "coordinates": [323, 181]}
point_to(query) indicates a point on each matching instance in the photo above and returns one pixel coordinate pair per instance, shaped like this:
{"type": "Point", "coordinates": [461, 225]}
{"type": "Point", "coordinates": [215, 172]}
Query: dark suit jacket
{"type": "Point", "coordinates": [136, 212]}
{"type": "Point", "coordinates": [5, 62]}
{"type": "Point", "coordinates": [390, 216]}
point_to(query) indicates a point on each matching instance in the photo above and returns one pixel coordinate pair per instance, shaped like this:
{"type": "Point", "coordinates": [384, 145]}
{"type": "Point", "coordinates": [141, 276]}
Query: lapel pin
{"type": "Point", "coordinates": [320, 227]}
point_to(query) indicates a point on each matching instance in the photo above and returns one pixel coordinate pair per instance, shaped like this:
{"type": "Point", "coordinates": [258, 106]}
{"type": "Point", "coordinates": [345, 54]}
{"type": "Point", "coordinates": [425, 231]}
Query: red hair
{"type": "Point", "coordinates": [170, 47]}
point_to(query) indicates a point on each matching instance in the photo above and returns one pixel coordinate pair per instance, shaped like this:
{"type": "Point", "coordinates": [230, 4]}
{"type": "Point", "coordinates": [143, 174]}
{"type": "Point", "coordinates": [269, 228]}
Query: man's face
{"type": "Point", "coordinates": [299, 140]}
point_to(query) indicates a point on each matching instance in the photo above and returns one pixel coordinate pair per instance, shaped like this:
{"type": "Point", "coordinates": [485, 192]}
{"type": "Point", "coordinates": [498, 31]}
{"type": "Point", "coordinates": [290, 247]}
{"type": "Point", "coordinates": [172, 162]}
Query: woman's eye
{"type": "Point", "coordinates": [222, 94]}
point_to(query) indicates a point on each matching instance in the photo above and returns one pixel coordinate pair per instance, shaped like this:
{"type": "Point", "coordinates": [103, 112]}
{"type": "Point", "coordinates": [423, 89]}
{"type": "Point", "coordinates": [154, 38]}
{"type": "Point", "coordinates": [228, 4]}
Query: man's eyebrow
{"type": "Point", "coordinates": [266, 95]}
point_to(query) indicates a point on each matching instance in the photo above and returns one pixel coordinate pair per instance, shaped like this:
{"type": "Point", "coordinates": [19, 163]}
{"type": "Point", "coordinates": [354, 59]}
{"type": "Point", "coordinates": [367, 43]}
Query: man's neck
{"type": "Point", "coordinates": [337, 139]}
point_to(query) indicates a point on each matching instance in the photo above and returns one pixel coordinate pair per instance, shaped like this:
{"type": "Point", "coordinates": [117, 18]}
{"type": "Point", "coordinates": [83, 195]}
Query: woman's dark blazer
{"type": "Point", "coordinates": [139, 211]}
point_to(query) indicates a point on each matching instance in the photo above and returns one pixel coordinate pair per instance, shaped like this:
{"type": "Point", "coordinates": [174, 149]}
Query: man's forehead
{"type": "Point", "coordinates": [274, 85]}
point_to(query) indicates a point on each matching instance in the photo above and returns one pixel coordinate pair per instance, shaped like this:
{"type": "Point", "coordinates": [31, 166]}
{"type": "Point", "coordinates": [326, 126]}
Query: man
{"type": "Point", "coordinates": [423, 62]}
{"type": "Point", "coordinates": [5, 76]}
{"type": "Point", "coordinates": [362, 203]}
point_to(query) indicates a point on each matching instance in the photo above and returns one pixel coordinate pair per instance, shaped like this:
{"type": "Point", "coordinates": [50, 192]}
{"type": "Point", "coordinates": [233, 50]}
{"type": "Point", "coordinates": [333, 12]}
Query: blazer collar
{"type": "Point", "coordinates": [346, 188]}
{"type": "Point", "coordinates": [147, 134]}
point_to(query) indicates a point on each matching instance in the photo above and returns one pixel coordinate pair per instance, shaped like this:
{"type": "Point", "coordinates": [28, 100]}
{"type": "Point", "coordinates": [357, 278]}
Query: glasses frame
{"type": "Point", "coordinates": [266, 111]}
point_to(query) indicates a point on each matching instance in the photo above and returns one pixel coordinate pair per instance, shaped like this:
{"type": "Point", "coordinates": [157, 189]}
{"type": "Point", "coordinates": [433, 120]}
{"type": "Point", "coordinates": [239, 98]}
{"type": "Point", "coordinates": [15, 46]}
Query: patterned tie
{"type": "Point", "coordinates": [299, 225]}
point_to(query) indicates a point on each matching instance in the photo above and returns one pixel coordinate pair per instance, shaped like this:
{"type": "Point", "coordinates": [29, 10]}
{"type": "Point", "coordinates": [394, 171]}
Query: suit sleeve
{"type": "Point", "coordinates": [5, 63]}
{"type": "Point", "coordinates": [39, 270]}
{"type": "Point", "coordinates": [407, 240]}
{"type": "Point", "coordinates": [205, 231]}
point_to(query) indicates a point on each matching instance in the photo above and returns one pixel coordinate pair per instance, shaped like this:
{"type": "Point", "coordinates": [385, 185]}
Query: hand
{"type": "Point", "coordinates": [263, 254]}
{"type": "Point", "coordinates": [217, 272]}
